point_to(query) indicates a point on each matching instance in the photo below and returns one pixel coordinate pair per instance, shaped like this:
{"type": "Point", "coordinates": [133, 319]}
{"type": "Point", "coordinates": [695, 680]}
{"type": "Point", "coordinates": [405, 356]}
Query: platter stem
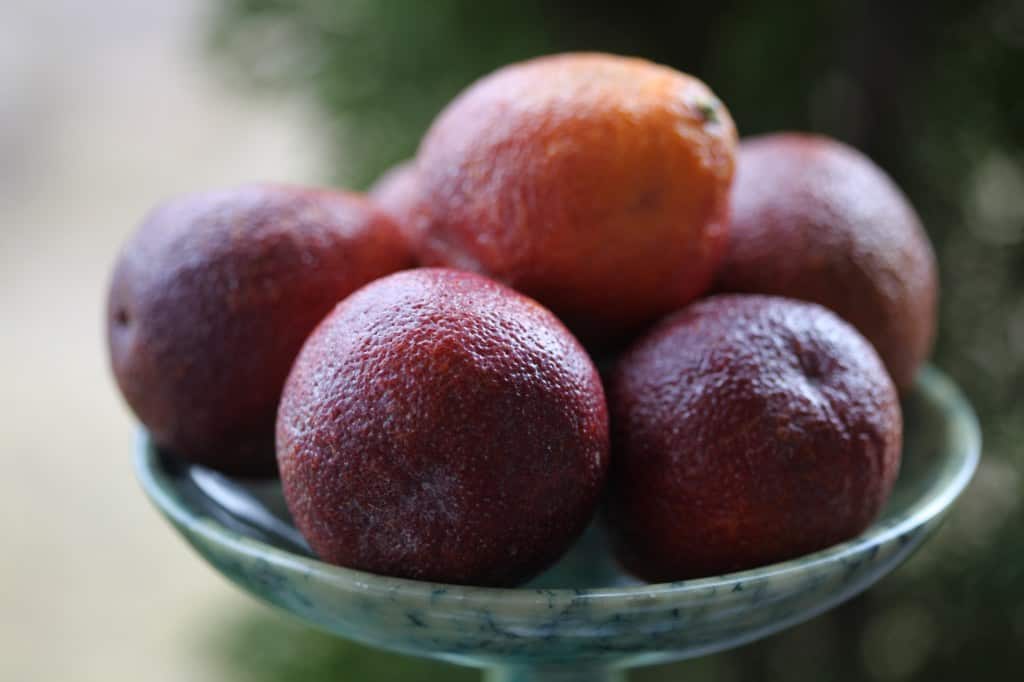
{"type": "Point", "coordinates": [527, 673]}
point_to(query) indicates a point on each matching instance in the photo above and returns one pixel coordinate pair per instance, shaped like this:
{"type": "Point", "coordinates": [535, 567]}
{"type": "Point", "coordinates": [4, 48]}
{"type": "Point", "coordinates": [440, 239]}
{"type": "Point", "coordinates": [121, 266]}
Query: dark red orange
{"type": "Point", "coordinates": [817, 220]}
{"type": "Point", "coordinates": [398, 192]}
{"type": "Point", "coordinates": [212, 298]}
{"type": "Point", "coordinates": [442, 427]}
{"type": "Point", "coordinates": [747, 430]}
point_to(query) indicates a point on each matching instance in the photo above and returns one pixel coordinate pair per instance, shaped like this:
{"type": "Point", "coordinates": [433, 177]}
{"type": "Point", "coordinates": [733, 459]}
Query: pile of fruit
{"type": "Point", "coordinates": [449, 422]}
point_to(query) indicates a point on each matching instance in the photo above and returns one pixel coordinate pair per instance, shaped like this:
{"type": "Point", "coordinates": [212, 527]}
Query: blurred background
{"type": "Point", "coordinates": [107, 107]}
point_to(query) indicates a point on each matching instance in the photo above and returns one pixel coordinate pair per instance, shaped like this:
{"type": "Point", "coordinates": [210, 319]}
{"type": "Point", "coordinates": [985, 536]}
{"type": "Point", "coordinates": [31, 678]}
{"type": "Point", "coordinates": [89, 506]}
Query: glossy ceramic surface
{"type": "Point", "coordinates": [582, 619]}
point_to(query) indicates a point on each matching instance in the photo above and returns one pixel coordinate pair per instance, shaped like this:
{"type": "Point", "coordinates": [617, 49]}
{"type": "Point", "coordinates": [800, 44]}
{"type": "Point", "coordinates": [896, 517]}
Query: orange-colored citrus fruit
{"type": "Point", "coordinates": [594, 183]}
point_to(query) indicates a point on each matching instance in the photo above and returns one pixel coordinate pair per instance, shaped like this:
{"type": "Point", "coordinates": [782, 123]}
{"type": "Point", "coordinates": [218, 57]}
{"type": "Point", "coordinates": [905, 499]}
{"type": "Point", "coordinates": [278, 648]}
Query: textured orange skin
{"type": "Point", "coordinates": [440, 426]}
{"type": "Point", "coordinates": [747, 430]}
{"type": "Point", "coordinates": [398, 192]}
{"type": "Point", "coordinates": [596, 184]}
{"type": "Point", "coordinates": [815, 219]}
{"type": "Point", "coordinates": [212, 298]}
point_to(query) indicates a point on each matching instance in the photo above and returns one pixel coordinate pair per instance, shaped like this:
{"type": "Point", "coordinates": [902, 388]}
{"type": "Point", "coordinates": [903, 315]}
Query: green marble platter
{"type": "Point", "coordinates": [583, 620]}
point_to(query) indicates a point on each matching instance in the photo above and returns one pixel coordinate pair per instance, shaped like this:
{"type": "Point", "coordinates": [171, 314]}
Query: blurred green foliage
{"type": "Point", "coordinates": [269, 647]}
{"type": "Point", "coordinates": [379, 71]}
{"type": "Point", "coordinates": [931, 90]}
